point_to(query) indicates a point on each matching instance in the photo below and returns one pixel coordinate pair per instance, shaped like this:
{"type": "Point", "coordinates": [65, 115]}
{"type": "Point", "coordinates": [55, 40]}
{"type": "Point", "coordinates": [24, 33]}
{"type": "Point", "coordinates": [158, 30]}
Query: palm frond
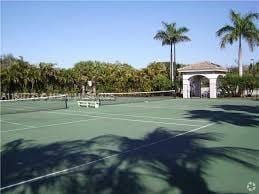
{"type": "Point", "coordinates": [252, 38]}
{"type": "Point", "coordinates": [182, 30]}
{"type": "Point", "coordinates": [225, 29]}
{"type": "Point", "coordinates": [172, 34]}
{"type": "Point", "coordinates": [184, 39]}
{"type": "Point", "coordinates": [228, 38]}
{"type": "Point", "coordinates": [235, 18]}
{"type": "Point", "coordinates": [251, 34]}
{"type": "Point", "coordinates": [250, 16]}
{"type": "Point", "coordinates": [160, 35]}
{"type": "Point", "coordinates": [165, 25]}
{"type": "Point", "coordinates": [171, 28]}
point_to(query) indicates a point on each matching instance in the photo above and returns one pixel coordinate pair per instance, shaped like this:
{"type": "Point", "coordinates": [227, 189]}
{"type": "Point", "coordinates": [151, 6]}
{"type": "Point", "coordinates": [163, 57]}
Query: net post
{"type": "Point", "coordinates": [66, 99]}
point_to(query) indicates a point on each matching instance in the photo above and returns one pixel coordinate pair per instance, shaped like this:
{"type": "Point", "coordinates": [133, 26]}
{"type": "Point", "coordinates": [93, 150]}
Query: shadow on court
{"type": "Point", "coordinates": [234, 118]}
{"type": "Point", "coordinates": [243, 108]}
{"type": "Point", "coordinates": [178, 165]}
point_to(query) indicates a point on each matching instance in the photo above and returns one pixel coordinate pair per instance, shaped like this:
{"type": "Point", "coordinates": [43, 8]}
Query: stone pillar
{"type": "Point", "coordinates": [186, 88]}
{"type": "Point", "coordinates": [213, 87]}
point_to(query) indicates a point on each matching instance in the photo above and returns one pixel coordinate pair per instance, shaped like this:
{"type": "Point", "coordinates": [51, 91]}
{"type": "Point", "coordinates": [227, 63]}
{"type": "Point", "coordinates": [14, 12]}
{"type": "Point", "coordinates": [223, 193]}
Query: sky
{"type": "Point", "coordinates": [66, 32]}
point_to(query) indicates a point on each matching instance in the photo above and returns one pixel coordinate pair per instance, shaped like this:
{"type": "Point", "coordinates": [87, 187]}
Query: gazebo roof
{"type": "Point", "coordinates": [201, 67]}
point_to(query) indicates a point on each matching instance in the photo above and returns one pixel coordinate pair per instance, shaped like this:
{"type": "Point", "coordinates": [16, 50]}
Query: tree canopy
{"type": "Point", "coordinates": [20, 76]}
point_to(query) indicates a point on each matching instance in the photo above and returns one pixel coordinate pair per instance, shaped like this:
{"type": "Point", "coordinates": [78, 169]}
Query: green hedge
{"type": "Point", "coordinates": [234, 86]}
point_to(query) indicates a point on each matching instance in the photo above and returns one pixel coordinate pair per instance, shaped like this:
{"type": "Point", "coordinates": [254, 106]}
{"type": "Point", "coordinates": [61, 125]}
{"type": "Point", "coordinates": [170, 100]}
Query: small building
{"type": "Point", "coordinates": [193, 74]}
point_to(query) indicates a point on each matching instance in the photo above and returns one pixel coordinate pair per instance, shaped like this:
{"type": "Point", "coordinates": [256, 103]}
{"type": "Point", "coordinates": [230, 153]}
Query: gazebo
{"type": "Point", "coordinates": [192, 75]}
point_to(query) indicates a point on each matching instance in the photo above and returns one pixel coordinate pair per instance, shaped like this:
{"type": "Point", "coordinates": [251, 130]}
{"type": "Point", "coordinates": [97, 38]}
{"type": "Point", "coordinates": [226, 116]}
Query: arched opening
{"type": "Point", "coordinates": [199, 86]}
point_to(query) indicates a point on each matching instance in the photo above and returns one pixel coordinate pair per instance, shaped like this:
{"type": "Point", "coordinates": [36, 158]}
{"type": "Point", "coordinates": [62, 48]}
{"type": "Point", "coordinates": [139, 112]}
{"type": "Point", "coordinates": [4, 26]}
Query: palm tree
{"type": "Point", "coordinates": [242, 28]}
{"type": "Point", "coordinates": [170, 36]}
{"type": "Point", "coordinates": [48, 75]}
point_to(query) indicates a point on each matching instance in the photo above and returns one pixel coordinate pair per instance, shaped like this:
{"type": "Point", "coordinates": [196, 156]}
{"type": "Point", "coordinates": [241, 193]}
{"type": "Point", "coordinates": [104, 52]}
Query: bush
{"type": "Point", "coordinates": [257, 81]}
{"type": "Point", "coordinates": [234, 86]}
{"type": "Point", "coordinates": [248, 83]}
{"type": "Point", "coordinates": [161, 82]}
{"type": "Point", "coordinates": [229, 84]}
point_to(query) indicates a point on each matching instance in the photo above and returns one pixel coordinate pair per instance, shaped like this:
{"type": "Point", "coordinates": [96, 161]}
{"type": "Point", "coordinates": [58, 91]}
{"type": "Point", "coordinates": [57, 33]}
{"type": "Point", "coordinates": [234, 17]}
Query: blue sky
{"type": "Point", "coordinates": [65, 32]}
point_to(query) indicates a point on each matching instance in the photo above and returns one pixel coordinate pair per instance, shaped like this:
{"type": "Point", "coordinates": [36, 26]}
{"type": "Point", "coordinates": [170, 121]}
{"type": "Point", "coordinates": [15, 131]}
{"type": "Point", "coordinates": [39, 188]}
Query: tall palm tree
{"type": "Point", "coordinates": [242, 28]}
{"type": "Point", "coordinates": [171, 35]}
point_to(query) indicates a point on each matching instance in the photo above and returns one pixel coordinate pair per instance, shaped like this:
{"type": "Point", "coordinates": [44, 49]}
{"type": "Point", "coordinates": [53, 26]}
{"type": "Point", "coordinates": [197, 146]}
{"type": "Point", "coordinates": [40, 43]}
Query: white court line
{"type": "Point", "coordinates": [19, 107]}
{"type": "Point", "coordinates": [150, 107]}
{"type": "Point", "coordinates": [42, 126]}
{"type": "Point", "coordinates": [16, 123]}
{"type": "Point", "coordinates": [96, 117]}
{"type": "Point", "coordinates": [13, 108]}
{"type": "Point", "coordinates": [139, 116]}
{"type": "Point", "coordinates": [124, 119]}
{"type": "Point", "coordinates": [161, 107]}
{"type": "Point", "coordinates": [100, 159]}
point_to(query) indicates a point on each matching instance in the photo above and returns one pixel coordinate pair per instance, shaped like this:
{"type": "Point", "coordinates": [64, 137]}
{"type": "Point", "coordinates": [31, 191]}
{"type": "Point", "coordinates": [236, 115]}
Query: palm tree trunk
{"type": "Point", "coordinates": [32, 87]}
{"type": "Point", "coordinates": [240, 66]}
{"type": "Point", "coordinates": [171, 64]}
{"type": "Point", "coordinates": [174, 65]}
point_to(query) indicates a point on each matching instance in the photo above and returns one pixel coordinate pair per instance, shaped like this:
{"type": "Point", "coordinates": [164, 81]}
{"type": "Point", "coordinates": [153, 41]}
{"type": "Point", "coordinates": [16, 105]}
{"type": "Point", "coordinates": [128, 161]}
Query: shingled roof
{"type": "Point", "coordinates": [202, 66]}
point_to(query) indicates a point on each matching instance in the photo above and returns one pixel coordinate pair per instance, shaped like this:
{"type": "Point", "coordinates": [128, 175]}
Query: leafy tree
{"type": "Point", "coordinates": [257, 81]}
{"type": "Point", "coordinates": [242, 28]}
{"type": "Point", "coordinates": [234, 85]}
{"type": "Point", "coordinates": [254, 68]}
{"type": "Point", "coordinates": [229, 84]}
{"type": "Point", "coordinates": [161, 82]}
{"type": "Point", "coordinates": [249, 83]}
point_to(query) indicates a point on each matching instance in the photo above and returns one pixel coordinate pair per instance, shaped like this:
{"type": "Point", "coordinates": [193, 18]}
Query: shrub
{"type": "Point", "coordinates": [229, 84]}
{"type": "Point", "coordinates": [248, 83]}
{"type": "Point", "coordinates": [233, 85]}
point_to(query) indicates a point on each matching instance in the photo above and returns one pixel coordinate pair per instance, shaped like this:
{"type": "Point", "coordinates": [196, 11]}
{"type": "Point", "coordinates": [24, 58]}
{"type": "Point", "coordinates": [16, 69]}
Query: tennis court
{"type": "Point", "coordinates": [172, 146]}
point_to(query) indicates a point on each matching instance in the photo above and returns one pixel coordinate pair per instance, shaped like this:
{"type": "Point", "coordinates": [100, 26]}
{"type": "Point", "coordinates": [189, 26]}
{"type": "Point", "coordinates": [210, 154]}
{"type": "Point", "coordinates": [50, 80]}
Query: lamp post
{"type": "Point", "coordinates": [253, 67]}
{"type": "Point", "coordinates": [252, 62]}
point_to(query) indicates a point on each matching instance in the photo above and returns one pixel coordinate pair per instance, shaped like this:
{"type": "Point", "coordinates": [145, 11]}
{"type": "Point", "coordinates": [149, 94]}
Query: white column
{"type": "Point", "coordinates": [186, 88]}
{"type": "Point", "coordinates": [213, 87]}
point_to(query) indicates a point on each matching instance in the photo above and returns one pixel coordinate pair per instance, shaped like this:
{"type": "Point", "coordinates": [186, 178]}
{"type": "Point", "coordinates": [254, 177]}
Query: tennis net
{"type": "Point", "coordinates": [33, 104]}
{"type": "Point", "coordinates": [133, 97]}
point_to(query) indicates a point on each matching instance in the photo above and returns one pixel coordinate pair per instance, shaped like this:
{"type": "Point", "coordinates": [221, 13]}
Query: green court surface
{"type": "Point", "coordinates": [176, 146]}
